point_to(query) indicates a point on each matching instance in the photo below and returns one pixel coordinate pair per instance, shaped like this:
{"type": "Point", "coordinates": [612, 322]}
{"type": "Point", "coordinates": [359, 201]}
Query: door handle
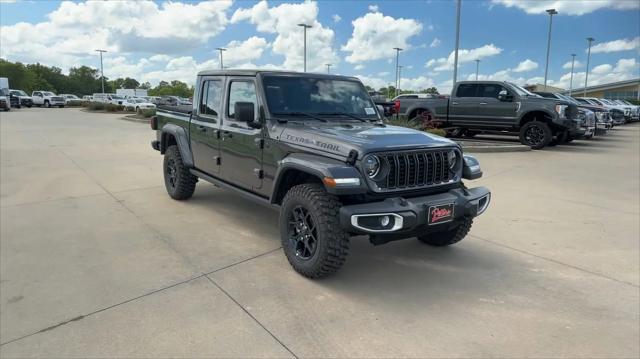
{"type": "Point", "coordinates": [454, 103]}
{"type": "Point", "coordinates": [482, 103]}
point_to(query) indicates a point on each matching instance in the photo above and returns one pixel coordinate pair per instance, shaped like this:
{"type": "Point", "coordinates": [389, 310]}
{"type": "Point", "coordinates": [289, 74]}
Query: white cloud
{"type": "Point", "coordinates": [244, 51]}
{"type": "Point", "coordinates": [576, 64]}
{"type": "Point", "coordinates": [384, 73]}
{"type": "Point", "coordinates": [616, 45]}
{"type": "Point", "coordinates": [336, 18]}
{"type": "Point", "coordinates": [373, 8]}
{"type": "Point", "coordinates": [283, 20]}
{"type": "Point", "coordinates": [133, 26]}
{"type": "Point", "coordinates": [359, 67]}
{"type": "Point", "coordinates": [624, 69]}
{"type": "Point", "coordinates": [374, 82]}
{"type": "Point", "coordinates": [446, 63]}
{"type": "Point", "coordinates": [416, 83]}
{"type": "Point", "coordinates": [602, 69]}
{"type": "Point", "coordinates": [435, 43]}
{"type": "Point", "coordinates": [572, 7]}
{"type": "Point", "coordinates": [525, 66]}
{"type": "Point", "coordinates": [375, 35]}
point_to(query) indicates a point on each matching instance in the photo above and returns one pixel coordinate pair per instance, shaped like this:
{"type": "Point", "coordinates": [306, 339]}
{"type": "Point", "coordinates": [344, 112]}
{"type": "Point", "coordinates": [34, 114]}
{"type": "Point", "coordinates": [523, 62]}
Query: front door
{"type": "Point", "coordinates": [241, 145]}
{"type": "Point", "coordinates": [463, 105]}
{"type": "Point", "coordinates": [493, 111]}
{"type": "Point", "coordinates": [205, 125]}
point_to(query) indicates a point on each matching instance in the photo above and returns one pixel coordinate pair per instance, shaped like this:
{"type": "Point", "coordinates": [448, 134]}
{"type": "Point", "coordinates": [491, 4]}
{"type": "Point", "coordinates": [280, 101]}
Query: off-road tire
{"type": "Point", "coordinates": [47, 104]}
{"type": "Point", "coordinates": [455, 132]}
{"type": "Point", "coordinates": [332, 242]}
{"type": "Point", "coordinates": [447, 238]}
{"type": "Point", "coordinates": [545, 133]}
{"type": "Point", "coordinates": [470, 134]}
{"type": "Point", "coordinates": [184, 183]}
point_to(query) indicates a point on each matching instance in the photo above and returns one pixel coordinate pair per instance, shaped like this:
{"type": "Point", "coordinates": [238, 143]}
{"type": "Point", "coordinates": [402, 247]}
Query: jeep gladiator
{"type": "Point", "coordinates": [315, 147]}
{"type": "Point", "coordinates": [478, 106]}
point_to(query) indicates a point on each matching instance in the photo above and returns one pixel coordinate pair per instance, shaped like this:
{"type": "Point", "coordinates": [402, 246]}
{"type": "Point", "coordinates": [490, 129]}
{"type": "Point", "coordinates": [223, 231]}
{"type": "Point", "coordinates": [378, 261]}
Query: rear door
{"type": "Point", "coordinates": [493, 112]}
{"type": "Point", "coordinates": [241, 145]}
{"type": "Point", "coordinates": [463, 105]}
{"type": "Point", "coordinates": [205, 125]}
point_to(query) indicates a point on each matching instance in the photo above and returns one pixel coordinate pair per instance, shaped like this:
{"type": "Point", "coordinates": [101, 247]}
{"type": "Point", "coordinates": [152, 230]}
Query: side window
{"type": "Point", "coordinates": [489, 90]}
{"type": "Point", "coordinates": [241, 91]}
{"type": "Point", "coordinates": [211, 98]}
{"type": "Point", "coordinates": [466, 90]}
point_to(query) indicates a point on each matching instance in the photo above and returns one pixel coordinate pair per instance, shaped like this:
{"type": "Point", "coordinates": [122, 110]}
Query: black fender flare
{"type": "Point", "coordinates": [319, 167]}
{"type": "Point", "coordinates": [182, 139]}
{"type": "Point", "coordinates": [547, 113]}
{"type": "Point", "coordinates": [421, 107]}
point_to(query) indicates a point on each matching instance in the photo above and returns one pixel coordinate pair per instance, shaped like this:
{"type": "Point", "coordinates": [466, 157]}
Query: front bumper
{"type": "Point", "coordinates": [410, 216]}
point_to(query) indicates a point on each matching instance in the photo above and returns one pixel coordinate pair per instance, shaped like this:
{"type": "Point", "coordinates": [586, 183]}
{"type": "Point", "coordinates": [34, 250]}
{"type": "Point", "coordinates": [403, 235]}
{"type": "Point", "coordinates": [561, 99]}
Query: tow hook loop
{"type": "Point", "coordinates": [353, 156]}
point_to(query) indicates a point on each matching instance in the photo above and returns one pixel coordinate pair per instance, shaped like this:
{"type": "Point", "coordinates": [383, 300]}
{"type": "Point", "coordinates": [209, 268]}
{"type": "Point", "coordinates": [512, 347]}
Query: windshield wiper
{"type": "Point", "coordinates": [343, 114]}
{"type": "Point", "coordinates": [297, 114]}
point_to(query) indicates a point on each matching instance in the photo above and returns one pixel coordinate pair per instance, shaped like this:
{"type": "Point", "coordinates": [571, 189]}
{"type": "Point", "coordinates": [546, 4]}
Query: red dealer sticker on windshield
{"type": "Point", "coordinates": [440, 214]}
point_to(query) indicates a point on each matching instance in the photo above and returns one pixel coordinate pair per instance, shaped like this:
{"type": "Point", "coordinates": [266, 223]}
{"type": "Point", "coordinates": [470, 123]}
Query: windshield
{"type": "Point", "coordinates": [288, 94]}
{"type": "Point", "coordinates": [117, 97]}
{"type": "Point", "coordinates": [567, 98]}
{"type": "Point", "coordinates": [521, 91]}
{"type": "Point", "coordinates": [18, 93]}
{"type": "Point", "coordinates": [46, 93]}
{"type": "Point", "coordinates": [595, 102]}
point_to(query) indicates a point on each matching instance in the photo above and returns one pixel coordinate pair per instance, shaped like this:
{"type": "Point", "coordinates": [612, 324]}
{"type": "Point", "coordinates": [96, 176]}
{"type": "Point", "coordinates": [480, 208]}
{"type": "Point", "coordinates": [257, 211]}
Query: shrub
{"type": "Point", "coordinates": [148, 113]}
{"type": "Point", "coordinates": [96, 106]}
{"type": "Point", "coordinates": [76, 103]}
{"type": "Point", "coordinates": [420, 124]}
{"type": "Point", "coordinates": [114, 108]}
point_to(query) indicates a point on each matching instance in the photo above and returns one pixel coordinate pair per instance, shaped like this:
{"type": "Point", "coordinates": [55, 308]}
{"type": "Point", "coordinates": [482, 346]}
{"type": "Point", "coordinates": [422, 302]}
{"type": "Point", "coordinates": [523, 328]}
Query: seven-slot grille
{"type": "Point", "coordinates": [415, 169]}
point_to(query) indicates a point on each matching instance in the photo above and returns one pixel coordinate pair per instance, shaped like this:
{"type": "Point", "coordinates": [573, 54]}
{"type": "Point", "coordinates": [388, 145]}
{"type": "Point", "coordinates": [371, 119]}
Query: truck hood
{"type": "Point", "coordinates": [340, 139]}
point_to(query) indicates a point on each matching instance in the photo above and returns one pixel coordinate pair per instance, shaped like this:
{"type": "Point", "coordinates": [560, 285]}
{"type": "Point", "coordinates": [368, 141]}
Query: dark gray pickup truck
{"type": "Point", "coordinates": [315, 147]}
{"type": "Point", "coordinates": [476, 106]}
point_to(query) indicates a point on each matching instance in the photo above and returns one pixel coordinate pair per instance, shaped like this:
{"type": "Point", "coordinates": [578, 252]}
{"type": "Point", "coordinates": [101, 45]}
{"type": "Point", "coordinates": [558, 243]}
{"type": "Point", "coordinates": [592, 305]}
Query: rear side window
{"type": "Point", "coordinates": [467, 90]}
{"type": "Point", "coordinates": [489, 90]}
{"type": "Point", "coordinates": [211, 97]}
{"type": "Point", "coordinates": [241, 91]}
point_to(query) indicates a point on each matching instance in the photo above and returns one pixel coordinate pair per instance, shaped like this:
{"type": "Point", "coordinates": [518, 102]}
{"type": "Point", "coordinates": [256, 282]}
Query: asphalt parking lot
{"type": "Point", "coordinates": [97, 261]}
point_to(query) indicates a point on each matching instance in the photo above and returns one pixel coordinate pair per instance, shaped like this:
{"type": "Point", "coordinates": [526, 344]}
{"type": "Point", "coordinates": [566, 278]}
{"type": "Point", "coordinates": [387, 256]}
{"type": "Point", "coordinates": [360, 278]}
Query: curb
{"type": "Point", "coordinates": [492, 148]}
{"type": "Point", "coordinates": [133, 119]}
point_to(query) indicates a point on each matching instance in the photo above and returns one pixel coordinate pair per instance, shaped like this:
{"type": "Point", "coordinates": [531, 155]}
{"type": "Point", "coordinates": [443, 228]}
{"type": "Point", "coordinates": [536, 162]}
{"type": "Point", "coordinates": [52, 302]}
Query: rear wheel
{"type": "Point", "coordinates": [446, 238]}
{"type": "Point", "coordinates": [470, 134]}
{"type": "Point", "coordinates": [180, 183]}
{"type": "Point", "coordinates": [455, 132]}
{"type": "Point", "coordinates": [313, 241]}
{"type": "Point", "coordinates": [535, 134]}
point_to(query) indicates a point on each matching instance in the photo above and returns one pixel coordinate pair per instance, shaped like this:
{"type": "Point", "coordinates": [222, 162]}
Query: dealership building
{"type": "Point", "coordinates": [621, 90]}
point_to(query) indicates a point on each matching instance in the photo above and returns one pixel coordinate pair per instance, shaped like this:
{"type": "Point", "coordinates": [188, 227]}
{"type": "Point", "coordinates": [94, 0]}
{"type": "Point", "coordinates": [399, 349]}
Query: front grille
{"type": "Point", "coordinates": [417, 169]}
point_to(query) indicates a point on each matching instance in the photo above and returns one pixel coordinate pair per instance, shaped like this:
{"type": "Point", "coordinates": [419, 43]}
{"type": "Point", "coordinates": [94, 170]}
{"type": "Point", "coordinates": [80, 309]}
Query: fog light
{"type": "Point", "coordinates": [384, 221]}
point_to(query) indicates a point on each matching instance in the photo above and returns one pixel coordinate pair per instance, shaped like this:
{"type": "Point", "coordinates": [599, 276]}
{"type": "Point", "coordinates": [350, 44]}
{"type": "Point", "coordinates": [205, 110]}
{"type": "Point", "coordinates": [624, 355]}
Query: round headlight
{"type": "Point", "coordinates": [371, 165]}
{"type": "Point", "coordinates": [451, 158]}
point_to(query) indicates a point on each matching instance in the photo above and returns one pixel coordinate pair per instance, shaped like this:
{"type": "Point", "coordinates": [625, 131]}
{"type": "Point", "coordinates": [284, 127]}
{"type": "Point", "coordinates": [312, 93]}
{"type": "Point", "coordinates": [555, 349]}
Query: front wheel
{"type": "Point", "coordinates": [447, 238]}
{"type": "Point", "coordinates": [180, 183]}
{"type": "Point", "coordinates": [47, 104]}
{"type": "Point", "coordinates": [535, 134]}
{"type": "Point", "coordinates": [313, 241]}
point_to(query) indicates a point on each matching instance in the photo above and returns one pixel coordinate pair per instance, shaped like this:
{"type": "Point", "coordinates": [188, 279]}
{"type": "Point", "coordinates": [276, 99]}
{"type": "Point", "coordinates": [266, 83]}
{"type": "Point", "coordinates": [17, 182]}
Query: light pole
{"type": "Point", "coordinates": [551, 12]}
{"type": "Point", "coordinates": [397, 63]}
{"type": "Point", "coordinates": [305, 27]}
{"type": "Point", "coordinates": [573, 60]}
{"type": "Point", "coordinates": [399, 79]}
{"type": "Point", "coordinates": [586, 74]}
{"type": "Point", "coordinates": [328, 68]}
{"type": "Point", "coordinates": [221, 49]}
{"type": "Point", "coordinates": [101, 68]}
{"type": "Point", "coordinates": [455, 58]}
{"type": "Point", "coordinates": [477, 68]}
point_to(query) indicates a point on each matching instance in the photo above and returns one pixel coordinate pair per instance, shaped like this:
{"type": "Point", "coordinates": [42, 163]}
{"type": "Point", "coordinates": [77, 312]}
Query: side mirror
{"type": "Point", "coordinates": [245, 112]}
{"type": "Point", "coordinates": [504, 96]}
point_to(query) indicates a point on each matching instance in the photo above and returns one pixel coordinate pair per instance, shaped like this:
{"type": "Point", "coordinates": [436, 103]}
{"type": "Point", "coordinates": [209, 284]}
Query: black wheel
{"type": "Point", "coordinates": [47, 104]}
{"type": "Point", "coordinates": [29, 106]}
{"type": "Point", "coordinates": [312, 239]}
{"type": "Point", "coordinates": [180, 183]}
{"type": "Point", "coordinates": [61, 106]}
{"type": "Point", "coordinates": [446, 238]}
{"type": "Point", "coordinates": [535, 134]}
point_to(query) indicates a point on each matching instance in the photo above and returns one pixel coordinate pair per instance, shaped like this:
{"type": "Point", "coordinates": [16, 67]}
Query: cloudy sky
{"type": "Point", "coordinates": [166, 40]}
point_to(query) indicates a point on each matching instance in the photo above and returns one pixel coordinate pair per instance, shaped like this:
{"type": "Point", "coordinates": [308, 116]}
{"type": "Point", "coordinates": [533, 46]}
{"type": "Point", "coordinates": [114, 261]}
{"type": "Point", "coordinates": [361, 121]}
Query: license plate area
{"type": "Point", "coordinates": [441, 213]}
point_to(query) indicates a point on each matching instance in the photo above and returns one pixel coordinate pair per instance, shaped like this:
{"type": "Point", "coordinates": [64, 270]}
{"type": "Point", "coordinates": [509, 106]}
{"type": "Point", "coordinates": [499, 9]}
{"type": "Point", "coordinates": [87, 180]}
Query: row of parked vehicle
{"type": "Point", "coordinates": [123, 100]}
{"type": "Point", "coordinates": [539, 119]}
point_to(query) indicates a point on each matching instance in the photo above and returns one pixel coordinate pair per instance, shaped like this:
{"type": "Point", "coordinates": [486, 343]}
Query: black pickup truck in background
{"type": "Point", "coordinates": [389, 108]}
{"type": "Point", "coordinates": [479, 106]}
